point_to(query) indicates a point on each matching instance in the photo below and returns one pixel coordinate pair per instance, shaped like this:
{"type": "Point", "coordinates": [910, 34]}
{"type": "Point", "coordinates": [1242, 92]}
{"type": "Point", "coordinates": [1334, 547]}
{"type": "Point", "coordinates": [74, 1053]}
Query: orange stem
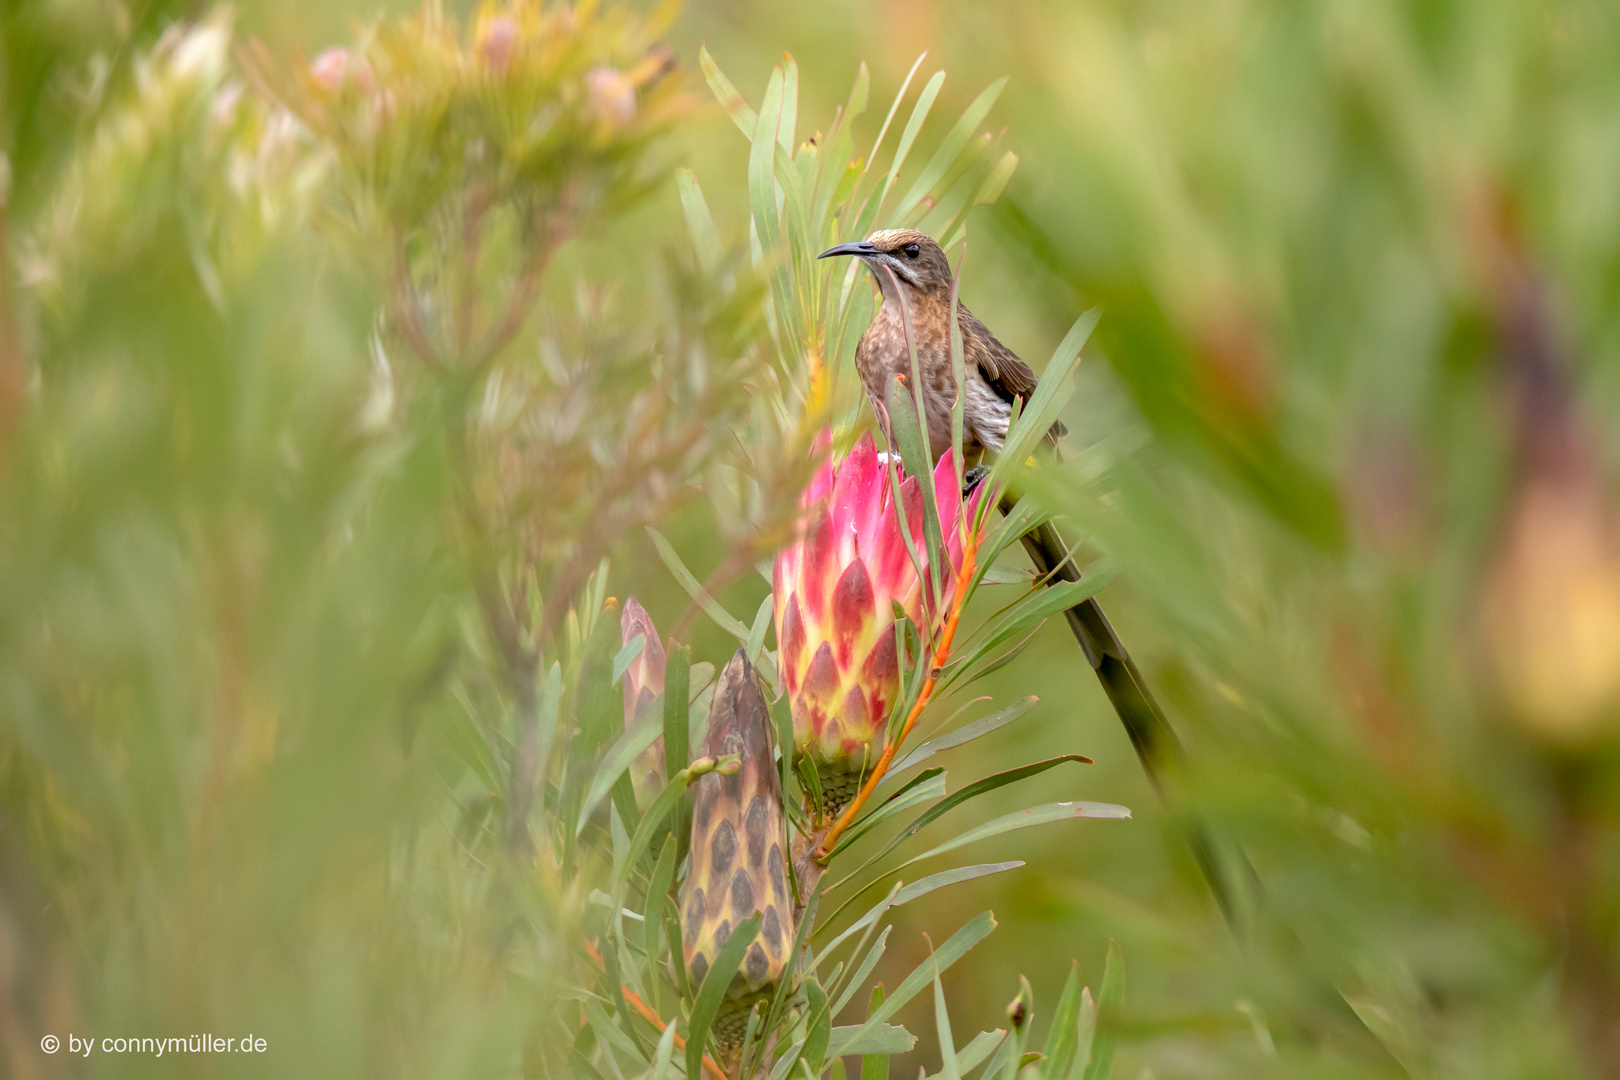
{"type": "Point", "coordinates": [942, 651]}
{"type": "Point", "coordinates": [634, 1001]}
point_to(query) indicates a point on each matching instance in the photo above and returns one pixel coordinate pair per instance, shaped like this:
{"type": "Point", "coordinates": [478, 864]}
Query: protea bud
{"type": "Point", "coordinates": [739, 866]}
{"type": "Point", "coordinates": [643, 681]}
{"type": "Point", "coordinates": [836, 588]}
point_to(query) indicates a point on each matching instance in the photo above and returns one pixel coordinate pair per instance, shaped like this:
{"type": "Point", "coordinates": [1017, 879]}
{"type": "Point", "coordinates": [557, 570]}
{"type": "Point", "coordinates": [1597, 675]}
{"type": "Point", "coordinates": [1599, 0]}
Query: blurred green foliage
{"type": "Point", "coordinates": [314, 434]}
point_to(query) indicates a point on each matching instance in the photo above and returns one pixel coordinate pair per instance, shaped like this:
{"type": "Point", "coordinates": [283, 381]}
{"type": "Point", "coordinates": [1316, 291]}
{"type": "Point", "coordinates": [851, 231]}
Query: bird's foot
{"type": "Point", "coordinates": [972, 479]}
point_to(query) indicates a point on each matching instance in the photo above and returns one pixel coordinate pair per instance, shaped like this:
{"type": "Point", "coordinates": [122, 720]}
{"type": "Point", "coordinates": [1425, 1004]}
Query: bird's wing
{"type": "Point", "coordinates": [1011, 378]}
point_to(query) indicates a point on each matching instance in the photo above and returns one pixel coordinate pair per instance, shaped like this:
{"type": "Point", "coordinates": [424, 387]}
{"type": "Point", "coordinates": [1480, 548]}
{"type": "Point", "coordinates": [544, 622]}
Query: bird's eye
{"type": "Point", "coordinates": [912, 251]}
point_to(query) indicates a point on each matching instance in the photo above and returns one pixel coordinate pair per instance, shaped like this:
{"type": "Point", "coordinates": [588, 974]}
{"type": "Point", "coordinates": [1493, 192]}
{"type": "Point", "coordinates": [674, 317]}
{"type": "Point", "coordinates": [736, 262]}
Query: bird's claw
{"type": "Point", "coordinates": [972, 479]}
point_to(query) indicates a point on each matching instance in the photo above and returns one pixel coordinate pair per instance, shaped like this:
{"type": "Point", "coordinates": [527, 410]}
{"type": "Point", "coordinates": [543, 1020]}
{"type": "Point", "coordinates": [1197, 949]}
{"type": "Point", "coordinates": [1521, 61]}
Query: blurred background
{"type": "Point", "coordinates": [1347, 423]}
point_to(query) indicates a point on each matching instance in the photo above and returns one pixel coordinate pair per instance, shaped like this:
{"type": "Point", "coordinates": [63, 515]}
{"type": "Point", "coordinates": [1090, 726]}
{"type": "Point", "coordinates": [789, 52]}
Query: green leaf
{"type": "Point", "coordinates": [756, 633]}
{"type": "Point", "coordinates": [640, 735]}
{"type": "Point", "coordinates": [942, 1029]}
{"type": "Point", "coordinates": [1063, 1036]}
{"type": "Point", "coordinates": [819, 1031]}
{"type": "Point", "coordinates": [972, 791]}
{"type": "Point", "coordinates": [1044, 404]}
{"type": "Point", "coordinates": [649, 825]}
{"type": "Point", "coordinates": [730, 100]}
{"type": "Point", "coordinates": [874, 1066]}
{"type": "Point", "coordinates": [973, 1054]}
{"type": "Point", "coordinates": [952, 146]}
{"type": "Point", "coordinates": [762, 163]}
{"type": "Point", "coordinates": [627, 656]}
{"type": "Point", "coordinates": [694, 589]}
{"type": "Point", "coordinates": [1085, 1035]}
{"type": "Point", "coordinates": [677, 690]}
{"type": "Point", "coordinates": [859, 974]}
{"type": "Point", "coordinates": [911, 432]}
{"type": "Point", "coordinates": [883, 1039]}
{"type": "Point", "coordinates": [971, 933]}
{"type": "Point", "coordinates": [1109, 1001]}
{"type": "Point", "coordinates": [967, 733]}
{"type": "Point", "coordinates": [919, 113]}
{"type": "Point", "coordinates": [929, 785]}
{"type": "Point", "coordinates": [713, 991]}
{"type": "Point", "coordinates": [663, 1055]}
{"type": "Point", "coordinates": [550, 707]}
{"type": "Point", "coordinates": [1023, 819]}
{"type": "Point", "coordinates": [996, 182]}
{"type": "Point", "coordinates": [658, 886]}
{"type": "Point", "coordinates": [705, 237]}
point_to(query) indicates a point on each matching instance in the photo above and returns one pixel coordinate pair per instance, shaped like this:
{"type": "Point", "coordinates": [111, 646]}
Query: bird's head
{"type": "Point", "coordinates": [913, 257]}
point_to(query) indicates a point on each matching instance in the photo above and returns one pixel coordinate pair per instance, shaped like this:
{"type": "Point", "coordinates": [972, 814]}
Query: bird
{"type": "Point", "coordinates": [910, 267]}
{"type": "Point", "coordinates": [915, 279]}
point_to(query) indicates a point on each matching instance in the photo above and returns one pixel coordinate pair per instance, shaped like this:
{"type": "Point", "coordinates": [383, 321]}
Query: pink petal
{"type": "Point", "coordinates": [881, 670]}
{"type": "Point", "coordinates": [820, 564]}
{"type": "Point", "coordinates": [853, 610]}
{"type": "Point", "coordinates": [646, 672]}
{"type": "Point", "coordinates": [790, 643]}
{"type": "Point", "coordinates": [821, 681]}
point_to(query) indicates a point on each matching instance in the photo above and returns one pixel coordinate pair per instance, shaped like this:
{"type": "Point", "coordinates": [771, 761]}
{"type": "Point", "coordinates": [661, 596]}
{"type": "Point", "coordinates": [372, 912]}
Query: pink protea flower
{"type": "Point", "coordinates": [643, 681]}
{"type": "Point", "coordinates": [836, 587]}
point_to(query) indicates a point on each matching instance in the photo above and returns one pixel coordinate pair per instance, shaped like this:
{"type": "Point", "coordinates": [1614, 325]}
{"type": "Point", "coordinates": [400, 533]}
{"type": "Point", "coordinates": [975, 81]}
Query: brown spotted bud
{"type": "Point", "coordinates": [738, 863]}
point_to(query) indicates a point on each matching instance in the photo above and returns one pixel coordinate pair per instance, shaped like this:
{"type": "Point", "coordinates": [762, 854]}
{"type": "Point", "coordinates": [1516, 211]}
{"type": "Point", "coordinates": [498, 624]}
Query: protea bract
{"type": "Point", "coordinates": [739, 864]}
{"type": "Point", "coordinates": [836, 588]}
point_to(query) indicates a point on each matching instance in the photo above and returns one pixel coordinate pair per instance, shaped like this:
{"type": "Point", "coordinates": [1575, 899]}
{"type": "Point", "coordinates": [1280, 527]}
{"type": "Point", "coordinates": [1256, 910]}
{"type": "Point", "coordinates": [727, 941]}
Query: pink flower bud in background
{"type": "Point", "coordinates": [612, 94]}
{"type": "Point", "coordinates": [643, 682]}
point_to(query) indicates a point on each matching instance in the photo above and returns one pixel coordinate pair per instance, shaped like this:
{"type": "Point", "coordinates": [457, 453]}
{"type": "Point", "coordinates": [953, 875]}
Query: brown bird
{"type": "Point", "coordinates": [909, 265]}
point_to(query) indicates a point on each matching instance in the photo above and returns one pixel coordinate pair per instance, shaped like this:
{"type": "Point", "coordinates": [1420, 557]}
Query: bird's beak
{"type": "Point", "coordinates": [862, 248]}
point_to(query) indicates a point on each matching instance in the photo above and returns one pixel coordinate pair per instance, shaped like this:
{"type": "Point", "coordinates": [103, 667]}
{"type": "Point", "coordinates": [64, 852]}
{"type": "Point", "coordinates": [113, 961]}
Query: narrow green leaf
{"type": "Point", "coordinates": [952, 146]}
{"type": "Point", "coordinates": [972, 791]}
{"type": "Point", "coordinates": [650, 823]}
{"type": "Point", "coordinates": [658, 886]}
{"type": "Point", "coordinates": [858, 976]}
{"type": "Point", "coordinates": [727, 94]}
{"type": "Point", "coordinates": [873, 1066]}
{"type": "Point", "coordinates": [677, 684]}
{"type": "Point", "coordinates": [973, 1054]}
{"type": "Point", "coordinates": [1086, 1034]}
{"type": "Point", "coordinates": [1062, 1038]}
{"type": "Point", "coordinates": [640, 735]}
{"type": "Point", "coordinates": [971, 933]}
{"type": "Point", "coordinates": [664, 1054]}
{"type": "Point", "coordinates": [1109, 1001]}
{"type": "Point", "coordinates": [910, 430]}
{"type": "Point", "coordinates": [1044, 404]}
{"type": "Point", "coordinates": [996, 182]}
{"type": "Point", "coordinates": [550, 707]}
{"type": "Point", "coordinates": [790, 102]}
{"type": "Point", "coordinates": [694, 589]}
{"type": "Point", "coordinates": [762, 164]}
{"type": "Point", "coordinates": [705, 237]}
{"type": "Point", "coordinates": [627, 656]}
{"type": "Point", "coordinates": [1002, 1053]}
{"type": "Point", "coordinates": [919, 113]}
{"type": "Point", "coordinates": [942, 1030]}
{"type": "Point", "coordinates": [883, 1039]}
{"type": "Point", "coordinates": [966, 733]}
{"type": "Point", "coordinates": [713, 990]}
{"type": "Point", "coordinates": [756, 633]}
{"type": "Point", "coordinates": [1023, 819]}
{"type": "Point", "coordinates": [819, 1029]}
{"type": "Point", "coordinates": [928, 785]}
